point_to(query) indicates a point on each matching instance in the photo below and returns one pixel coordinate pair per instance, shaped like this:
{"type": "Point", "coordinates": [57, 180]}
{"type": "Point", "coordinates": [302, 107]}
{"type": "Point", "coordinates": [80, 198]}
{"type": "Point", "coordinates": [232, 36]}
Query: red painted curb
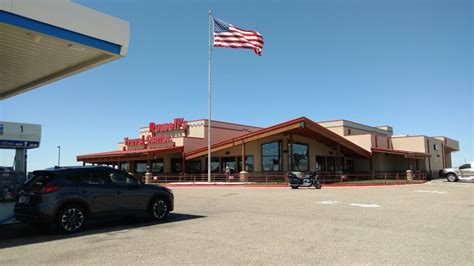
{"type": "Point", "coordinates": [282, 186]}
{"type": "Point", "coordinates": [205, 185]}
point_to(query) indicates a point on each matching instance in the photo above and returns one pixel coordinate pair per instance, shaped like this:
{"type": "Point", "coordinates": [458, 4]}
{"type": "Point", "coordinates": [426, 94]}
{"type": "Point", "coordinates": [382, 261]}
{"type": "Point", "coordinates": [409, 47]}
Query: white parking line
{"type": "Point", "coordinates": [328, 202]}
{"type": "Point", "coordinates": [431, 191]}
{"type": "Point", "coordinates": [460, 185]}
{"type": "Point", "coordinates": [365, 205]}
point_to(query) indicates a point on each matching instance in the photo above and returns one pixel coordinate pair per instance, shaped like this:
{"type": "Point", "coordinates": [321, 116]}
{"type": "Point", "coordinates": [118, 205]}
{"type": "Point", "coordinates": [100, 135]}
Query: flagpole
{"type": "Point", "coordinates": [209, 107]}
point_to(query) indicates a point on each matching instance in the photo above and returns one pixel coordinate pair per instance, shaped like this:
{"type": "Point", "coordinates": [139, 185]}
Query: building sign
{"type": "Point", "coordinates": [161, 141]}
{"type": "Point", "coordinates": [177, 124]}
{"type": "Point", "coordinates": [19, 135]}
{"type": "Point", "coordinates": [18, 144]}
{"type": "Point", "coordinates": [133, 142]}
{"type": "Point", "coordinates": [158, 137]}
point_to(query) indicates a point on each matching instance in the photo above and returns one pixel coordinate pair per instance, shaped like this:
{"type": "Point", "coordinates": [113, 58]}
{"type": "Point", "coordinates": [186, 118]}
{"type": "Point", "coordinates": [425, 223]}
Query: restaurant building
{"type": "Point", "coordinates": [340, 146]}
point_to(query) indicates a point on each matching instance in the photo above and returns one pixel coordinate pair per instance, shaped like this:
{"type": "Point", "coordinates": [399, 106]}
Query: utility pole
{"type": "Point", "coordinates": [59, 156]}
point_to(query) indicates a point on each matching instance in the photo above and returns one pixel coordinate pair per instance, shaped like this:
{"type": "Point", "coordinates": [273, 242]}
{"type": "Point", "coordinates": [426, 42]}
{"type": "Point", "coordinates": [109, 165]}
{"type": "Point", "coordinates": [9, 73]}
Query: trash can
{"type": "Point", "coordinates": [243, 176]}
{"type": "Point", "coordinates": [148, 177]}
{"type": "Point", "coordinates": [409, 175]}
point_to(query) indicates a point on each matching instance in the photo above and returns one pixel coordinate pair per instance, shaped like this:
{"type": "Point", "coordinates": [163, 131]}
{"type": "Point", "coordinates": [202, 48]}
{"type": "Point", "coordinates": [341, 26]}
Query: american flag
{"type": "Point", "coordinates": [228, 36]}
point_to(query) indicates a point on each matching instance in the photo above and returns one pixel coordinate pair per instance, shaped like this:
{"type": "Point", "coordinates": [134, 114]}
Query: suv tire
{"type": "Point", "coordinates": [159, 209]}
{"type": "Point", "coordinates": [451, 177]}
{"type": "Point", "coordinates": [71, 219]}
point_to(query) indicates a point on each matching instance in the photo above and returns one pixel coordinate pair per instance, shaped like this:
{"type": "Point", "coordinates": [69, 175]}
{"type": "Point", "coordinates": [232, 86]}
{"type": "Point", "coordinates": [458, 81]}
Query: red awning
{"type": "Point", "coordinates": [144, 152]}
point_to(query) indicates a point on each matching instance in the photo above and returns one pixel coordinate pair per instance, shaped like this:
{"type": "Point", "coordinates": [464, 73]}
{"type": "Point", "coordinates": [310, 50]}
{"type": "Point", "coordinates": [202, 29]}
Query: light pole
{"type": "Point", "coordinates": [59, 155]}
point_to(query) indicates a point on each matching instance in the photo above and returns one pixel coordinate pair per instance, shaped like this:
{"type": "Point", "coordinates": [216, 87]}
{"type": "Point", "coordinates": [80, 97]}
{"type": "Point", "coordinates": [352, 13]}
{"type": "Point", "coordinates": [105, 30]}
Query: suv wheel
{"type": "Point", "coordinates": [71, 219]}
{"type": "Point", "coordinates": [451, 177]}
{"type": "Point", "coordinates": [159, 209]}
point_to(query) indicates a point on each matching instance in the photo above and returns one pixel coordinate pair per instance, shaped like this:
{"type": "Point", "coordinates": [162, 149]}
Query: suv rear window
{"type": "Point", "coordinates": [43, 178]}
{"type": "Point", "coordinates": [40, 179]}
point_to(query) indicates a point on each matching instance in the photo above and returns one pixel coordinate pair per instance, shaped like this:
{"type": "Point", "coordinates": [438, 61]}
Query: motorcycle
{"type": "Point", "coordinates": [308, 179]}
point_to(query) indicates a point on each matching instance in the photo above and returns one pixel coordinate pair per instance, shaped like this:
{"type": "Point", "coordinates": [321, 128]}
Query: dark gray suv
{"type": "Point", "coordinates": [68, 197]}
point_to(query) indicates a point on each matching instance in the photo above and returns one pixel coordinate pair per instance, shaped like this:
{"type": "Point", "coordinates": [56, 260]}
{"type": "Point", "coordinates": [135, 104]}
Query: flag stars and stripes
{"type": "Point", "coordinates": [228, 36]}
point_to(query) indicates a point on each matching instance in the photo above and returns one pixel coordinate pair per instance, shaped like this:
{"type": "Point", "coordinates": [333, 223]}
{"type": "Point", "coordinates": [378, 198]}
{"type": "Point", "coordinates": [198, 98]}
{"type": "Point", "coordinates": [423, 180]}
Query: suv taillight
{"type": "Point", "coordinates": [47, 189]}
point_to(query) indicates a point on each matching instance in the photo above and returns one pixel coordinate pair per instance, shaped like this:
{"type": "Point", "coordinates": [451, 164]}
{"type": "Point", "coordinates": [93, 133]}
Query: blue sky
{"type": "Point", "coordinates": [408, 64]}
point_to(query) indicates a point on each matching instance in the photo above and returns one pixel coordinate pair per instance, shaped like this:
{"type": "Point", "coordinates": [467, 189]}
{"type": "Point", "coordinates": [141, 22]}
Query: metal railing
{"type": "Point", "coordinates": [270, 178]}
{"type": "Point", "coordinates": [371, 178]}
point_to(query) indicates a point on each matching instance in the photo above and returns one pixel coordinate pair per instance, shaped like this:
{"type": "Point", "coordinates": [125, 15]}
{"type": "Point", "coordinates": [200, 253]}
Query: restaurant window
{"type": "Point", "coordinates": [350, 165]}
{"type": "Point", "coordinates": [299, 157]}
{"type": "Point", "coordinates": [321, 163]}
{"type": "Point", "coordinates": [194, 167]}
{"type": "Point", "coordinates": [215, 167]}
{"type": "Point", "coordinates": [248, 163]}
{"type": "Point", "coordinates": [271, 156]}
{"type": "Point", "coordinates": [125, 167]}
{"type": "Point", "coordinates": [140, 167]}
{"type": "Point", "coordinates": [157, 167]}
{"type": "Point", "coordinates": [176, 165]}
{"type": "Point", "coordinates": [331, 164]}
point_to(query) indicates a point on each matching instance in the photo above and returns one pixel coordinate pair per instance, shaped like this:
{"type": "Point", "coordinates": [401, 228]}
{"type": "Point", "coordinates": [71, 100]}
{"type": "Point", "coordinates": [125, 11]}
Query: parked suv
{"type": "Point", "coordinates": [68, 197]}
{"type": "Point", "coordinates": [464, 172]}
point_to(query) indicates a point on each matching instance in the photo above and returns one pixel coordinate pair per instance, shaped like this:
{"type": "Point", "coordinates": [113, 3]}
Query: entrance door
{"type": "Point", "coordinates": [229, 162]}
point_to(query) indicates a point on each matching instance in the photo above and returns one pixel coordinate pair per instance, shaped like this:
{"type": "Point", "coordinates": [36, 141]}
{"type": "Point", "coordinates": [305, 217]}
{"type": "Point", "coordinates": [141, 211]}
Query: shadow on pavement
{"type": "Point", "coordinates": [13, 235]}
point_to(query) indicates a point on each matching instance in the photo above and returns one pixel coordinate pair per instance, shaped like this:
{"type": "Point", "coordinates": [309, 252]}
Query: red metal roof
{"type": "Point", "coordinates": [129, 152]}
{"type": "Point", "coordinates": [251, 134]}
{"type": "Point", "coordinates": [315, 127]}
{"type": "Point", "coordinates": [331, 135]}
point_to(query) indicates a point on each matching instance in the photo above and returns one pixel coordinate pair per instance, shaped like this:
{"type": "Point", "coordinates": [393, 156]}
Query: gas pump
{"type": "Point", "coordinates": [21, 137]}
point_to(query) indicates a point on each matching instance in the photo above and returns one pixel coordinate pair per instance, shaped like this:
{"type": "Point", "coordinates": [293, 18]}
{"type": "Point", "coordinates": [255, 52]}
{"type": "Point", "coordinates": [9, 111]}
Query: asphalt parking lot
{"type": "Point", "coordinates": [430, 223]}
